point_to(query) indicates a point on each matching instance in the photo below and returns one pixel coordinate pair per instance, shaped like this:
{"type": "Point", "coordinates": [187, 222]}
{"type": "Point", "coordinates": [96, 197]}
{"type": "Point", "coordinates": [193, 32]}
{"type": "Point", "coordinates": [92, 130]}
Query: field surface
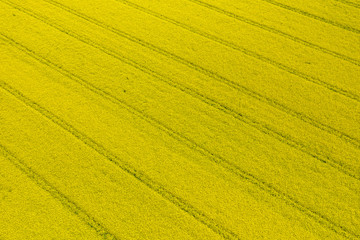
{"type": "Point", "coordinates": [179, 119]}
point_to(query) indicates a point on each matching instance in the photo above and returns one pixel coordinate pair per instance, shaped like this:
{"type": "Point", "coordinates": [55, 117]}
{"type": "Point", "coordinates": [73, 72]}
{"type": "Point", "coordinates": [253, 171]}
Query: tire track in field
{"type": "Point", "coordinates": [313, 16]}
{"type": "Point", "coordinates": [355, 142]}
{"type": "Point", "coordinates": [277, 32]}
{"type": "Point", "coordinates": [281, 66]}
{"type": "Point", "coordinates": [56, 194]}
{"type": "Point", "coordinates": [245, 51]}
{"type": "Point", "coordinates": [273, 191]}
{"type": "Point", "coordinates": [349, 3]}
{"type": "Point", "coordinates": [262, 127]}
{"type": "Point", "coordinates": [123, 165]}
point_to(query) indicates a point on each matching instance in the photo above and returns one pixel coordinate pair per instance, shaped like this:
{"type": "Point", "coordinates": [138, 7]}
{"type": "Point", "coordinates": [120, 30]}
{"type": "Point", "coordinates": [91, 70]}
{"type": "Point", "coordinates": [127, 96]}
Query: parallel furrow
{"type": "Point", "coordinates": [313, 16]}
{"type": "Point", "coordinates": [316, 216]}
{"type": "Point", "coordinates": [123, 165]}
{"type": "Point", "coordinates": [269, 101]}
{"type": "Point", "coordinates": [262, 127]}
{"type": "Point", "coordinates": [277, 32]}
{"type": "Point", "coordinates": [56, 194]}
{"type": "Point", "coordinates": [314, 80]}
{"type": "Point", "coordinates": [352, 4]}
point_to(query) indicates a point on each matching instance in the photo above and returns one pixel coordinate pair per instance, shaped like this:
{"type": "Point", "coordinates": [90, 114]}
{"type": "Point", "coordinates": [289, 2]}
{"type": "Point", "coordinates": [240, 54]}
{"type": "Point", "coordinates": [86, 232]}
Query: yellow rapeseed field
{"type": "Point", "coordinates": [179, 119]}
